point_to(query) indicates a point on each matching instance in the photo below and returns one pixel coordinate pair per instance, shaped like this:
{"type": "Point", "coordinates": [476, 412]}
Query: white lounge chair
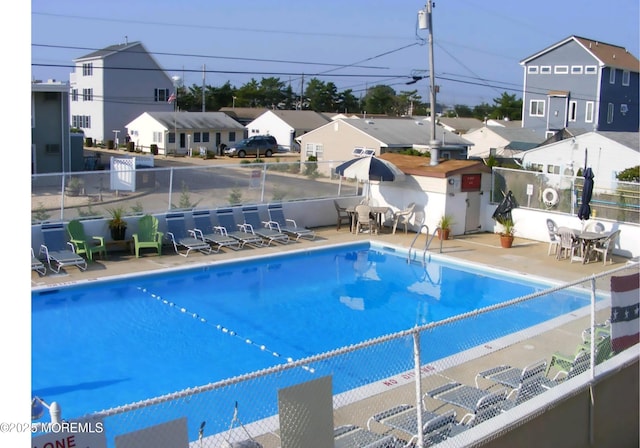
{"type": "Point", "coordinates": [281, 223]}
{"type": "Point", "coordinates": [214, 235]}
{"type": "Point", "coordinates": [181, 238]}
{"type": "Point", "coordinates": [58, 251]}
{"type": "Point", "coordinates": [255, 225]}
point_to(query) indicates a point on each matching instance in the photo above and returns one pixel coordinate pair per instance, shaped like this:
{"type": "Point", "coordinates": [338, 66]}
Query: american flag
{"type": "Point", "coordinates": [172, 98]}
{"type": "Point", "coordinates": [625, 311]}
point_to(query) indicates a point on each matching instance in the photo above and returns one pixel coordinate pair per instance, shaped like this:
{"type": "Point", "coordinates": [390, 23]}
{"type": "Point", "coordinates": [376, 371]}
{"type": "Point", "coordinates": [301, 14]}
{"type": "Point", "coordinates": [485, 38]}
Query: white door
{"type": "Point", "coordinates": [472, 217]}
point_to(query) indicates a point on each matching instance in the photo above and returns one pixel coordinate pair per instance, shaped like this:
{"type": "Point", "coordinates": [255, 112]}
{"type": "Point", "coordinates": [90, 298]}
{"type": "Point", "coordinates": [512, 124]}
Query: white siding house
{"type": "Point", "coordinates": [607, 153]}
{"type": "Point", "coordinates": [286, 125]}
{"type": "Point", "coordinates": [195, 130]}
{"type": "Point", "coordinates": [112, 86]}
{"type": "Point", "coordinates": [499, 141]}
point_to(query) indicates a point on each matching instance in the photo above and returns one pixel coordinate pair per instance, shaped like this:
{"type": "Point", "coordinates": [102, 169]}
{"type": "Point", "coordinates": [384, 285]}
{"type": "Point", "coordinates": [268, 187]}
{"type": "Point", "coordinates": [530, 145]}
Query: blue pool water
{"type": "Point", "coordinates": [99, 346]}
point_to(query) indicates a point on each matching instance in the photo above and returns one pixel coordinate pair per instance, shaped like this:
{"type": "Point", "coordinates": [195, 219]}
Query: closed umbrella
{"type": "Point", "coordinates": [503, 210]}
{"type": "Point", "coordinates": [587, 191]}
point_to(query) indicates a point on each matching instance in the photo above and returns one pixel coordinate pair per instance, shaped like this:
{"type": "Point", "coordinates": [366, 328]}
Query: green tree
{"type": "Point", "coordinates": [347, 102]}
{"type": "Point", "coordinates": [630, 174]}
{"type": "Point", "coordinates": [380, 99]}
{"type": "Point", "coordinates": [507, 107]}
{"type": "Point", "coordinates": [322, 96]}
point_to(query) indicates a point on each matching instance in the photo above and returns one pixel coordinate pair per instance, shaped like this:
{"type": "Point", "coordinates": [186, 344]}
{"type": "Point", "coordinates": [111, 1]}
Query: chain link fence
{"type": "Point", "coordinates": [619, 201]}
{"type": "Point", "coordinates": [373, 393]}
{"type": "Point", "coordinates": [145, 190]}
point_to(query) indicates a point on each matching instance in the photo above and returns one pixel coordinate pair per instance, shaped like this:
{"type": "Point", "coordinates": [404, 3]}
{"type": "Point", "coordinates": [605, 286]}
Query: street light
{"type": "Point", "coordinates": [233, 102]}
{"type": "Point", "coordinates": [176, 83]}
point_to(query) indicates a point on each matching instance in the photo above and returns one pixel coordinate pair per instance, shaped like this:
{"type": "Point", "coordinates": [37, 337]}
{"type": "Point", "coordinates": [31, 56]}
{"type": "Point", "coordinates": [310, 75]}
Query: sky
{"type": "Point", "coordinates": [355, 44]}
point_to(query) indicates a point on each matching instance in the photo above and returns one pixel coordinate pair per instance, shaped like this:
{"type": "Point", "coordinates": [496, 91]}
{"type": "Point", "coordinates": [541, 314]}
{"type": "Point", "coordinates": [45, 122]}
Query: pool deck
{"type": "Point", "coordinates": [525, 257]}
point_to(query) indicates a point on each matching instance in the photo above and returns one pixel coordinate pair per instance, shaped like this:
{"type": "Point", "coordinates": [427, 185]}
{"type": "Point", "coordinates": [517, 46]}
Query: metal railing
{"type": "Point", "coordinates": [140, 190]}
{"type": "Point", "coordinates": [617, 200]}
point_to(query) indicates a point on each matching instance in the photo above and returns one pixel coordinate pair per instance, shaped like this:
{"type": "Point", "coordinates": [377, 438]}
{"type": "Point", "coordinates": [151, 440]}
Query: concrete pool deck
{"type": "Point", "coordinates": [526, 256]}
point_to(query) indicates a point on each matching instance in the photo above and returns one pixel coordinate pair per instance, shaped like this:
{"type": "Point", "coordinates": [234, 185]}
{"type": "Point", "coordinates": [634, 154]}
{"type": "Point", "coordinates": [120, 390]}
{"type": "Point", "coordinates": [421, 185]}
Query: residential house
{"type": "Point", "coordinates": [286, 125]}
{"type": "Point", "coordinates": [196, 131]}
{"type": "Point", "coordinates": [501, 142]}
{"type": "Point", "coordinates": [244, 115]}
{"type": "Point", "coordinates": [504, 123]}
{"type": "Point", "coordinates": [582, 83]}
{"type": "Point", "coordinates": [343, 139]}
{"type": "Point", "coordinates": [112, 86]}
{"type": "Point", "coordinates": [54, 148]}
{"type": "Point", "coordinates": [457, 125]}
{"type": "Point", "coordinates": [607, 153]}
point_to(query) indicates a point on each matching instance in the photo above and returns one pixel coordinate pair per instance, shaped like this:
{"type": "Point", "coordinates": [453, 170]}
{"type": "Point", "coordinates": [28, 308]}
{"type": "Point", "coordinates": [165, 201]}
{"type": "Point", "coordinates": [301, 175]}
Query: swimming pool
{"type": "Point", "coordinates": [98, 346]}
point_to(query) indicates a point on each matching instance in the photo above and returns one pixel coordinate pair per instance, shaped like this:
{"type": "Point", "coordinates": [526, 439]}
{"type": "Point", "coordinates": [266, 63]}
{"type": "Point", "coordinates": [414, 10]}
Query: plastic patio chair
{"type": "Point", "coordinates": [343, 215]}
{"type": "Point", "coordinates": [554, 238]}
{"type": "Point", "coordinates": [84, 244]}
{"type": "Point", "coordinates": [402, 217]}
{"type": "Point", "coordinates": [148, 236]}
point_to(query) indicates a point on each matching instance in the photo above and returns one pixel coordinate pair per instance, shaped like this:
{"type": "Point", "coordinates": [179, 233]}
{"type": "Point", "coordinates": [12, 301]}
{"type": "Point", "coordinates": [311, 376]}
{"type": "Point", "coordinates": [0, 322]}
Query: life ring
{"type": "Point", "coordinates": [550, 197]}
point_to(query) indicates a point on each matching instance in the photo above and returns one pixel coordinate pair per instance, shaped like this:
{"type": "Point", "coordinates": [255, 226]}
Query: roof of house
{"type": "Point", "coordinates": [301, 119]}
{"type": "Point", "coordinates": [608, 54]}
{"type": "Point", "coordinates": [628, 139]}
{"type": "Point", "coordinates": [504, 123]}
{"type": "Point", "coordinates": [460, 125]}
{"type": "Point", "coordinates": [111, 49]}
{"type": "Point", "coordinates": [519, 139]}
{"type": "Point", "coordinates": [421, 166]}
{"type": "Point", "coordinates": [196, 120]}
{"type": "Point", "coordinates": [244, 113]}
{"type": "Point", "coordinates": [403, 133]}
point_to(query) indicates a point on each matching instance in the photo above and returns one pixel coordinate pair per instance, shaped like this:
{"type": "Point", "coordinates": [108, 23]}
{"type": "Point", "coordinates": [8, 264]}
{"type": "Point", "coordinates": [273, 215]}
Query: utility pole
{"type": "Point", "coordinates": [301, 90]}
{"type": "Point", "coordinates": [425, 21]}
{"type": "Point", "coordinates": [203, 84]}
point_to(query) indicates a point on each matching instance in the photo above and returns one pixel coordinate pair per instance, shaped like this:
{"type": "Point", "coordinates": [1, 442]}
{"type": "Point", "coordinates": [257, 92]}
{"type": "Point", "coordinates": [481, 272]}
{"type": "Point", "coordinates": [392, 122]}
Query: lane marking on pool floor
{"type": "Point", "coordinates": [221, 328]}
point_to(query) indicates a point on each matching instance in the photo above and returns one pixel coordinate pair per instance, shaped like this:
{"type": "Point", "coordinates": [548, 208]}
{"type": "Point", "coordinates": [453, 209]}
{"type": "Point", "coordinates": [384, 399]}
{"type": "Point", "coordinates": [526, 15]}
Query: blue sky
{"type": "Point", "coordinates": [477, 44]}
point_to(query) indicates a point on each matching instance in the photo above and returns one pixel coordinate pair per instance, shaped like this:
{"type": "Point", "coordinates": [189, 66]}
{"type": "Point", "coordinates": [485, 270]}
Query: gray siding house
{"type": "Point", "coordinates": [581, 83]}
{"type": "Point", "coordinates": [112, 86]}
{"type": "Point", "coordinates": [54, 149]}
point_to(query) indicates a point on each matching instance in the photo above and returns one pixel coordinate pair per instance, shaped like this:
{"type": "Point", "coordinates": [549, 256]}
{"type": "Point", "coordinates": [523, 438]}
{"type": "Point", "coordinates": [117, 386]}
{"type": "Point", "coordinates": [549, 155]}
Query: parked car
{"type": "Point", "coordinates": [253, 146]}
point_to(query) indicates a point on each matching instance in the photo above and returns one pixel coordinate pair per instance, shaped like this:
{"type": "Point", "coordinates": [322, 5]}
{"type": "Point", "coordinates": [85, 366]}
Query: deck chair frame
{"type": "Point", "coordinates": [278, 221]}
{"type": "Point", "coordinates": [59, 252]}
{"type": "Point", "coordinates": [253, 224]}
{"type": "Point", "coordinates": [216, 236]}
{"type": "Point", "coordinates": [227, 224]}
{"type": "Point", "coordinates": [182, 238]}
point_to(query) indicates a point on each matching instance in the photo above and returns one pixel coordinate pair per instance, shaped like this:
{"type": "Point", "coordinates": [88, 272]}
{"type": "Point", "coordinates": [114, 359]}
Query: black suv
{"type": "Point", "coordinates": [253, 146]}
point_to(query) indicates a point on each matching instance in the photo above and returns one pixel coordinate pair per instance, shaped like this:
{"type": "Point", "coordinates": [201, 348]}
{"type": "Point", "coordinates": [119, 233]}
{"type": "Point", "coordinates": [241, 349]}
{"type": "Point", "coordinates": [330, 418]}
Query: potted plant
{"type": "Point", "coordinates": [117, 225]}
{"type": "Point", "coordinates": [74, 186]}
{"type": "Point", "coordinates": [507, 232]}
{"type": "Point", "coordinates": [444, 226]}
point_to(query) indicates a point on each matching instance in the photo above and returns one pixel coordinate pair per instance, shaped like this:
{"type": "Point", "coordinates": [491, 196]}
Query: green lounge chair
{"type": "Point", "coordinates": [84, 244]}
{"type": "Point", "coordinates": [148, 236]}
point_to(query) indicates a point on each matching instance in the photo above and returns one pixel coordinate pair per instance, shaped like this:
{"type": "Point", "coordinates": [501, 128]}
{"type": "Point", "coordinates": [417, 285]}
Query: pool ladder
{"type": "Point", "coordinates": [426, 245]}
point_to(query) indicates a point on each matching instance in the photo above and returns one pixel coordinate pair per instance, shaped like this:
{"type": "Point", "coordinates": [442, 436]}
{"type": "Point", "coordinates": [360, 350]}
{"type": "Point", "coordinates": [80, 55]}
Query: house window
{"type": "Point", "coordinates": [588, 114]}
{"type": "Point", "coordinates": [561, 69]}
{"type": "Point", "coordinates": [205, 137]}
{"type": "Point", "coordinates": [172, 137]}
{"type": "Point", "coordinates": [52, 148]}
{"type": "Point", "coordinates": [492, 152]}
{"type": "Point", "coordinates": [573, 110]}
{"type": "Point", "coordinates": [87, 69]}
{"type": "Point", "coordinates": [232, 136]}
{"type": "Point", "coordinates": [591, 70]}
{"type": "Point", "coordinates": [161, 95]}
{"type": "Point", "coordinates": [612, 76]}
{"type": "Point", "coordinates": [87, 94]}
{"type": "Point", "coordinates": [314, 149]}
{"type": "Point", "coordinates": [532, 69]}
{"type": "Point", "coordinates": [536, 108]}
{"type": "Point", "coordinates": [545, 69]}
{"type": "Point", "coordinates": [536, 167]}
{"type": "Point", "coordinates": [196, 137]}
{"type": "Point", "coordinates": [157, 137]}
{"type": "Point", "coordinates": [610, 113]}
{"type": "Point", "coordinates": [576, 69]}
{"type": "Point", "coordinates": [81, 121]}
{"type": "Point", "coordinates": [626, 76]}
{"type": "Point", "coordinates": [74, 94]}
{"type": "Point", "coordinates": [553, 169]}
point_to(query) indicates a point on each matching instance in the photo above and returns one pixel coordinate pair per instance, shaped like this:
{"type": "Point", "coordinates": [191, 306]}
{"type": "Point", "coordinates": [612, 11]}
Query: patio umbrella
{"type": "Point", "coordinates": [587, 191]}
{"type": "Point", "coordinates": [370, 168]}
